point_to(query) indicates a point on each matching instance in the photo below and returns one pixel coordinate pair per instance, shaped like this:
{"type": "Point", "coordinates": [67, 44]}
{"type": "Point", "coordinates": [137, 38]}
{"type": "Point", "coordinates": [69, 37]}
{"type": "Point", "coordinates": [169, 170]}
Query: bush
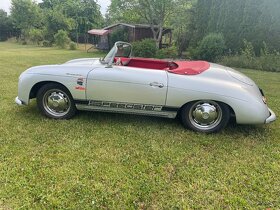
{"type": "Point", "coordinates": [35, 36]}
{"type": "Point", "coordinates": [210, 48]}
{"type": "Point", "coordinates": [247, 59]}
{"type": "Point", "coordinates": [170, 52]}
{"type": "Point", "coordinates": [46, 43]}
{"type": "Point", "coordinates": [146, 48]}
{"type": "Point", "coordinates": [61, 39]}
{"type": "Point", "coordinates": [265, 63]}
{"type": "Point", "coordinates": [248, 50]}
{"type": "Point", "coordinates": [72, 46]}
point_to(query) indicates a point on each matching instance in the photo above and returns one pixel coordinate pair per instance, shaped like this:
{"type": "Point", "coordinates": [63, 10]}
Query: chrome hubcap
{"type": "Point", "coordinates": [205, 115]}
{"type": "Point", "coordinates": [56, 103]}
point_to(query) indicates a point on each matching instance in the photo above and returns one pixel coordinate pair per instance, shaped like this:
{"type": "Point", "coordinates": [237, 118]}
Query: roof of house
{"type": "Point", "coordinates": [106, 30]}
{"type": "Point", "coordinates": [99, 32]}
{"type": "Point", "coordinates": [132, 26]}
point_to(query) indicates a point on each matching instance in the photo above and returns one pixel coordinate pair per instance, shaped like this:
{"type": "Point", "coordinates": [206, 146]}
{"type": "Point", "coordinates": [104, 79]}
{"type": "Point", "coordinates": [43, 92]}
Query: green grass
{"type": "Point", "coordinates": [114, 161]}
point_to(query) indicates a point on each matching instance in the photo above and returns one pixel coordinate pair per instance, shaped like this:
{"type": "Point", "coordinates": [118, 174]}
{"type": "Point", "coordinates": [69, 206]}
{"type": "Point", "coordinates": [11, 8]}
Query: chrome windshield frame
{"type": "Point", "coordinates": [109, 58]}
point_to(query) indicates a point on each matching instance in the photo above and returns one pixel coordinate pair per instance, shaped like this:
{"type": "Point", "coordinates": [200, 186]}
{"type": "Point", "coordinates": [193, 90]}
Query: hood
{"type": "Point", "coordinates": [74, 68]}
{"type": "Point", "coordinates": [83, 62]}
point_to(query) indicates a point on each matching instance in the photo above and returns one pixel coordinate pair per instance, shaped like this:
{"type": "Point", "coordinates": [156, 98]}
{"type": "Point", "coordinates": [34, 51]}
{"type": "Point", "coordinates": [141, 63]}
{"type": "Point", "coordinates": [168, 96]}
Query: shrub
{"type": "Point", "coordinates": [170, 52]}
{"type": "Point", "coordinates": [266, 63]}
{"type": "Point", "coordinates": [36, 36]}
{"type": "Point", "coordinates": [210, 48]}
{"type": "Point", "coordinates": [248, 49]}
{"type": "Point", "coordinates": [247, 59]}
{"type": "Point", "coordinates": [72, 46]}
{"type": "Point", "coordinates": [264, 50]}
{"type": "Point", "coordinates": [46, 43]}
{"type": "Point", "coordinates": [146, 48]}
{"type": "Point", "coordinates": [61, 39]}
{"type": "Point", "coordinates": [13, 40]}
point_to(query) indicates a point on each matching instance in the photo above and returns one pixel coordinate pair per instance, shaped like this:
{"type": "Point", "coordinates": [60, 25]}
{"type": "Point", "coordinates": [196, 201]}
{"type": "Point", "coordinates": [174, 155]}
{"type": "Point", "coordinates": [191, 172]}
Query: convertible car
{"type": "Point", "coordinates": [203, 95]}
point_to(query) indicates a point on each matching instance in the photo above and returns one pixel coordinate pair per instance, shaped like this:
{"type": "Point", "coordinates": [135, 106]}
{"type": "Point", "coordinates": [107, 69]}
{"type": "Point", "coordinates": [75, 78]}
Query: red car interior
{"type": "Point", "coordinates": [177, 67]}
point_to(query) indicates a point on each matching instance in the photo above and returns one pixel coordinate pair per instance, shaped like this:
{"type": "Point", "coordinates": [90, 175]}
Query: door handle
{"type": "Point", "coordinates": [156, 84]}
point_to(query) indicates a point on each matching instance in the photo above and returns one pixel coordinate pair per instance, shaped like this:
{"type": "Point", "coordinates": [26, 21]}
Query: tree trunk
{"type": "Point", "coordinates": [157, 34]}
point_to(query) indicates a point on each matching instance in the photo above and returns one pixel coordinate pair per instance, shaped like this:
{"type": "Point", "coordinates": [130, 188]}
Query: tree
{"type": "Point", "coordinates": [55, 20]}
{"type": "Point", "coordinates": [253, 20]}
{"type": "Point", "coordinates": [153, 12]}
{"type": "Point", "coordinates": [6, 27]}
{"type": "Point", "coordinates": [156, 13]}
{"type": "Point", "coordinates": [25, 15]}
{"type": "Point", "coordinates": [70, 15]}
{"type": "Point", "coordinates": [123, 11]}
{"type": "Point", "coordinates": [181, 24]}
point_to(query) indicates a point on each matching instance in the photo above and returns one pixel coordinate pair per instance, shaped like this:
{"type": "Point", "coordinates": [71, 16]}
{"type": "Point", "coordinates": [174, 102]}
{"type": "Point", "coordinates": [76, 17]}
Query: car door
{"type": "Point", "coordinates": [127, 85]}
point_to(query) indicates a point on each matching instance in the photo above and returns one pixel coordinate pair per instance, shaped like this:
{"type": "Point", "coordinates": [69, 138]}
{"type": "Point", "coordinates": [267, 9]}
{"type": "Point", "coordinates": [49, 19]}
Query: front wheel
{"type": "Point", "coordinates": [55, 101]}
{"type": "Point", "coordinates": [205, 116]}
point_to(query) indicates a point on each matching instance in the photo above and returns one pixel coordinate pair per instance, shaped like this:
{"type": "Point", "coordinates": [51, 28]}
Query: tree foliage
{"type": "Point", "coordinates": [253, 20]}
{"type": "Point", "coordinates": [156, 13]}
{"type": "Point", "coordinates": [50, 16]}
{"type": "Point", "coordinates": [6, 26]}
{"type": "Point", "coordinates": [76, 17]}
{"type": "Point", "coordinates": [181, 24]}
{"type": "Point", "coordinates": [25, 15]}
{"type": "Point", "coordinates": [123, 11]}
{"type": "Point", "coordinates": [257, 21]}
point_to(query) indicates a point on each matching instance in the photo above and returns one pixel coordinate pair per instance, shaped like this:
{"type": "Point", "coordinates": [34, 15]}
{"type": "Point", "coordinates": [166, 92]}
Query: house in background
{"type": "Point", "coordinates": [105, 38]}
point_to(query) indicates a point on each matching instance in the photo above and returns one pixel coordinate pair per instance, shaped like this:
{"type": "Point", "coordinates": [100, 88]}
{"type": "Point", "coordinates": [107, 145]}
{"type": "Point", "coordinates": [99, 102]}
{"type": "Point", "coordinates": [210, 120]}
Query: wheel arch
{"type": "Point", "coordinates": [233, 116]}
{"type": "Point", "coordinates": [35, 88]}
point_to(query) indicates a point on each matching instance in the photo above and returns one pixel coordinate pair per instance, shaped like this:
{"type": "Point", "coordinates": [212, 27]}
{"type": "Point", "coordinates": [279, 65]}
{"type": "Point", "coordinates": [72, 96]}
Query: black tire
{"type": "Point", "coordinates": [205, 116]}
{"type": "Point", "coordinates": [55, 101]}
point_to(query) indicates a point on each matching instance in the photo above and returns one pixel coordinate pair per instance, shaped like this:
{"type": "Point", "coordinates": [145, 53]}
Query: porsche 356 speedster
{"type": "Point", "coordinates": [203, 95]}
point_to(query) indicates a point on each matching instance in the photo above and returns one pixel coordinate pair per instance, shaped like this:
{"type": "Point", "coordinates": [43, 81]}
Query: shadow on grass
{"type": "Point", "coordinates": [233, 129]}
{"type": "Point", "coordinates": [87, 116]}
{"type": "Point", "coordinates": [260, 132]}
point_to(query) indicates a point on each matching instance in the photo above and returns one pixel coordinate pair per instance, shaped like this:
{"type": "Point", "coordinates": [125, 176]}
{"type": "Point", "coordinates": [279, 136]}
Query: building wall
{"type": "Point", "coordinates": [103, 43]}
{"type": "Point", "coordinates": [143, 33]}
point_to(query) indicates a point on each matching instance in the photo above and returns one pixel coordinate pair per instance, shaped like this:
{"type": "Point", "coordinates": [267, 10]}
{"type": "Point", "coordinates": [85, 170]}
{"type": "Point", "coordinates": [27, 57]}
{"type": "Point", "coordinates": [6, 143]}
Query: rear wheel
{"type": "Point", "coordinates": [205, 116]}
{"type": "Point", "coordinates": [55, 101]}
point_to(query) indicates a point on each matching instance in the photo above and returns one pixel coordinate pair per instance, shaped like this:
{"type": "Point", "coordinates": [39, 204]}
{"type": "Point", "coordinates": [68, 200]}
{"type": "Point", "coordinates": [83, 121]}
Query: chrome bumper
{"type": "Point", "coordinates": [18, 101]}
{"type": "Point", "coordinates": [271, 118]}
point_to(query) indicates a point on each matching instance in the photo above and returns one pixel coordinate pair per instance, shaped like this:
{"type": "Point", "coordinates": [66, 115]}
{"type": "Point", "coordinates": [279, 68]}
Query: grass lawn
{"type": "Point", "coordinates": [114, 161]}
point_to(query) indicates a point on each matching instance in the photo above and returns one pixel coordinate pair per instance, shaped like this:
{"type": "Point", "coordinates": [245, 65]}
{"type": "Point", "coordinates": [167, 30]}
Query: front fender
{"type": "Point", "coordinates": [27, 81]}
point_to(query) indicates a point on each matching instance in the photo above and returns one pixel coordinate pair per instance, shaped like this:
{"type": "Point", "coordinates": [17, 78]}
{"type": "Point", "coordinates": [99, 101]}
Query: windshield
{"type": "Point", "coordinates": [120, 49]}
{"type": "Point", "coordinates": [124, 50]}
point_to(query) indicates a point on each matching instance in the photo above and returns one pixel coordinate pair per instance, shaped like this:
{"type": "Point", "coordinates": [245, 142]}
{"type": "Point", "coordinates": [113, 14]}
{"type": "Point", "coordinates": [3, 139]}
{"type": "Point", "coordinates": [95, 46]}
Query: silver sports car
{"type": "Point", "coordinates": [202, 94]}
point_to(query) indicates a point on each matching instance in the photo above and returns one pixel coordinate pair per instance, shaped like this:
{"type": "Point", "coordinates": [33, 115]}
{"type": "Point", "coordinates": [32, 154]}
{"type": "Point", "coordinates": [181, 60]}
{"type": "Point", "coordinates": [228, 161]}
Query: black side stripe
{"type": "Point", "coordinates": [164, 108]}
{"type": "Point", "coordinates": [81, 102]}
{"type": "Point", "coordinates": [170, 109]}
